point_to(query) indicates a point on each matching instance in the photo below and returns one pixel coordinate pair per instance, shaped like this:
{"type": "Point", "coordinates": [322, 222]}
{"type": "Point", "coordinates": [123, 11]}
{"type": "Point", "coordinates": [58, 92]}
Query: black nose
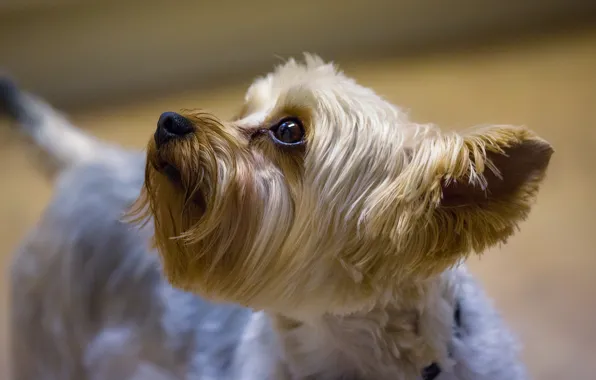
{"type": "Point", "coordinates": [171, 126]}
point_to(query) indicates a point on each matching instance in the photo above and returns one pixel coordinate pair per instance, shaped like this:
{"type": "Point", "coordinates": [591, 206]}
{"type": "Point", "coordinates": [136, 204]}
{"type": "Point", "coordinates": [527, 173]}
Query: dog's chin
{"type": "Point", "coordinates": [172, 174]}
{"type": "Point", "coordinates": [192, 195]}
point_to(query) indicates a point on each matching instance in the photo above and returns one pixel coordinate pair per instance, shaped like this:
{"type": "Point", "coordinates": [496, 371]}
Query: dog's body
{"type": "Point", "coordinates": [90, 301]}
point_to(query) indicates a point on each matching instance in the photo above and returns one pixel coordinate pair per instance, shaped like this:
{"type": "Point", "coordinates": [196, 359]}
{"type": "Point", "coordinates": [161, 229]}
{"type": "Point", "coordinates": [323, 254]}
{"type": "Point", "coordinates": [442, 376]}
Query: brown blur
{"type": "Point", "coordinates": [114, 66]}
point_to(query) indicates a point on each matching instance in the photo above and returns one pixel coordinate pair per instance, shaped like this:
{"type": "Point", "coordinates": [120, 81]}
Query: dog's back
{"type": "Point", "coordinates": [88, 299]}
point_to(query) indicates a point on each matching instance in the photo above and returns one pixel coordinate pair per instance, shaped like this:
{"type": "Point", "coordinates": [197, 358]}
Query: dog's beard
{"type": "Point", "coordinates": [219, 214]}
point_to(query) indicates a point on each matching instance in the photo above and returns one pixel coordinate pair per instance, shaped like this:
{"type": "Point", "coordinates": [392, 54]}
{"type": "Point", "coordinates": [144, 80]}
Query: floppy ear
{"type": "Point", "coordinates": [460, 194]}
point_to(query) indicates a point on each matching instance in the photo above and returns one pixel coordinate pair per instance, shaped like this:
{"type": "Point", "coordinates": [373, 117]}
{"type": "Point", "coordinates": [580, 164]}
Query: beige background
{"type": "Point", "coordinates": [542, 280]}
{"type": "Point", "coordinates": [83, 51]}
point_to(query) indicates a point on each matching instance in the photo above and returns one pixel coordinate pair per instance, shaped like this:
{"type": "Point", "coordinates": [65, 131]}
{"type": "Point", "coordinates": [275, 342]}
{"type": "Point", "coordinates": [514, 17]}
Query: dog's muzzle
{"type": "Point", "coordinates": [171, 126]}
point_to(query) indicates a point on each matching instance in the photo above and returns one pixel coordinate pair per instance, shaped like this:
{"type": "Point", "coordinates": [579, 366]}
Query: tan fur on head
{"type": "Point", "coordinates": [205, 205]}
{"type": "Point", "coordinates": [370, 201]}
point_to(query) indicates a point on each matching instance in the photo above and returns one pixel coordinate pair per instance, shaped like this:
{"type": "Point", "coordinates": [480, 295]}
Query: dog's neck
{"type": "Point", "coordinates": [394, 340]}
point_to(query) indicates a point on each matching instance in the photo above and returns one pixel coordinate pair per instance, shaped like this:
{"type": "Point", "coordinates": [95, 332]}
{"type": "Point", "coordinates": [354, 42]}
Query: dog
{"type": "Point", "coordinates": [319, 234]}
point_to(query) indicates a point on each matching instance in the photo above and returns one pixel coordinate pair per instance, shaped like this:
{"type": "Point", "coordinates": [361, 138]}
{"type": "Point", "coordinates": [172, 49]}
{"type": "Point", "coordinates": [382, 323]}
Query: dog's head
{"type": "Point", "coordinates": [322, 197]}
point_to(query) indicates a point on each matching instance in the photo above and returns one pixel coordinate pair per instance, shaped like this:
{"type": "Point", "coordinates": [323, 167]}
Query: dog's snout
{"type": "Point", "coordinates": [171, 125]}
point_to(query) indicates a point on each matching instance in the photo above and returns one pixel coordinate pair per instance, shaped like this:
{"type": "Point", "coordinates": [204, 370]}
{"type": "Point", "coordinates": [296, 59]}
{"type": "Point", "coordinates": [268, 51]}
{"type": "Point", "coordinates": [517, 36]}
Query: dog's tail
{"type": "Point", "coordinates": [61, 144]}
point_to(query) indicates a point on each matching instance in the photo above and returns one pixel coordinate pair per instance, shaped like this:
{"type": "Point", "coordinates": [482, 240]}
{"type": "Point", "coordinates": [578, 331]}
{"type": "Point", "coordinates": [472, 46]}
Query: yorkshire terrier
{"type": "Point", "coordinates": [319, 234]}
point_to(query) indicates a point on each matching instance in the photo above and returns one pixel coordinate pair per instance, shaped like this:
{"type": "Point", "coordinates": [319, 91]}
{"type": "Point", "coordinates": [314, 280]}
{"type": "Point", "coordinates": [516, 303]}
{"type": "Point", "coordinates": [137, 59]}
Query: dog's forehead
{"type": "Point", "coordinates": [263, 95]}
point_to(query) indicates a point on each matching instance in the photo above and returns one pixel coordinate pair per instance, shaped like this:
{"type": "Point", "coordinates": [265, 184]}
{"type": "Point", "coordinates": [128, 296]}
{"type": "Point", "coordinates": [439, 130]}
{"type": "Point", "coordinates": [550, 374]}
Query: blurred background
{"type": "Point", "coordinates": [114, 66]}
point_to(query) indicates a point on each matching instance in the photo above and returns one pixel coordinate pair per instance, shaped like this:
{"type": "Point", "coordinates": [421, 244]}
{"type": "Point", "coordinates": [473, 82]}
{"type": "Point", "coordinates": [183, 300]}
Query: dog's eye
{"type": "Point", "coordinates": [288, 132]}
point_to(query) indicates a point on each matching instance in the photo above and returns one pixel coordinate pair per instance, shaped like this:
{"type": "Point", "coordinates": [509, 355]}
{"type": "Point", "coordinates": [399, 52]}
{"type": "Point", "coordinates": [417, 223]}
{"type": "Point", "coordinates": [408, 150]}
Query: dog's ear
{"type": "Point", "coordinates": [462, 193]}
{"type": "Point", "coordinates": [495, 166]}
